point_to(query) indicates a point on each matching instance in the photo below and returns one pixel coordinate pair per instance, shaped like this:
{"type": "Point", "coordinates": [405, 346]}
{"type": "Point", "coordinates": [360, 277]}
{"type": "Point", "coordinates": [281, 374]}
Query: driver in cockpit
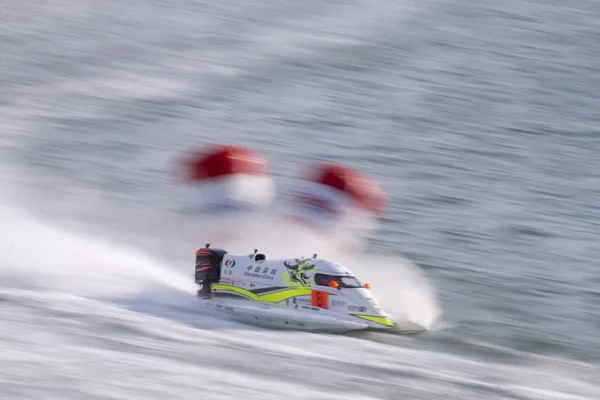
{"type": "Point", "coordinates": [321, 280]}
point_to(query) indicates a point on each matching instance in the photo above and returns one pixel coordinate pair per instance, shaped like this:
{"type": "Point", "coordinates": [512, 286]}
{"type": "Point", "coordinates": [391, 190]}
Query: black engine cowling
{"type": "Point", "coordinates": [208, 264]}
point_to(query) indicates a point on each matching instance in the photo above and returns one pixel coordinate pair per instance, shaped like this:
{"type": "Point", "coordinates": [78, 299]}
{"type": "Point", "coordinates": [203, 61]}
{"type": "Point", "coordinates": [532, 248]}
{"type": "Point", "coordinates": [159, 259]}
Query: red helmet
{"type": "Point", "coordinates": [223, 160]}
{"type": "Point", "coordinates": [363, 190]}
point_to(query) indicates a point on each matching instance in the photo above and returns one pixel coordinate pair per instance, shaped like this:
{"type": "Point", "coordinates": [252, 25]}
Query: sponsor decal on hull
{"type": "Point", "coordinates": [357, 308]}
{"type": "Point", "coordinates": [320, 299]}
{"type": "Point", "coordinates": [298, 274]}
{"type": "Point", "coordinates": [258, 276]}
{"type": "Point", "coordinates": [260, 272]}
{"type": "Point", "coordinates": [310, 308]}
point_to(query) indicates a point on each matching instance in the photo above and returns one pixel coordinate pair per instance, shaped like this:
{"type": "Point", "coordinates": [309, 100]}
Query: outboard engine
{"type": "Point", "coordinates": [208, 268]}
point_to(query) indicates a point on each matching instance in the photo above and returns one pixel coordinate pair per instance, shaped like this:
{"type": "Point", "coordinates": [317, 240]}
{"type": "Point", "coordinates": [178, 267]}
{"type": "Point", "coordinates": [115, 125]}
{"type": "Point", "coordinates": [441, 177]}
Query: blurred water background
{"type": "Point", "coordinates": [479, 118]}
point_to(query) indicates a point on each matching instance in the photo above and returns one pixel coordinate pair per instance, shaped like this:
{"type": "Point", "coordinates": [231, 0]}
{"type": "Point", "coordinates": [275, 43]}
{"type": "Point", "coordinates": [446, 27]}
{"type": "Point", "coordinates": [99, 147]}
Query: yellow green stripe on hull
{"type": "Point", "coordinates": [380, 320]}
{"type": "Point", "coordinates": [273, 297]}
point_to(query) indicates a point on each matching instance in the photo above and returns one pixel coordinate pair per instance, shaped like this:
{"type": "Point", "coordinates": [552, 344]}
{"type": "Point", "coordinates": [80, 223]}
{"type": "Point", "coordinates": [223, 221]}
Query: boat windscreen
{"type": "Point", "coordinates": [344, 281]}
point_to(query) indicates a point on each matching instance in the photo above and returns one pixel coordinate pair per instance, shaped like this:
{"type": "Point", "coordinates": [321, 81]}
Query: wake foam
{"type": "Point", "coordinates": [38, 255]}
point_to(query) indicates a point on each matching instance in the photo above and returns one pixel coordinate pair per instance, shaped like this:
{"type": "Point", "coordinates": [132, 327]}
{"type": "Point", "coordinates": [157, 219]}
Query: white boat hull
{"type": "Point", "coordinates": [280, 317]}
{"type": "Point", "coordinates": [310, 294]}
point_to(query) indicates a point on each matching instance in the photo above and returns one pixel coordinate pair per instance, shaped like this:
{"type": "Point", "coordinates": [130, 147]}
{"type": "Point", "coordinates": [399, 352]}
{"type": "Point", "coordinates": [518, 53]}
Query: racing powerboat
{"type": "Point", "coordinates": [311, 294]}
